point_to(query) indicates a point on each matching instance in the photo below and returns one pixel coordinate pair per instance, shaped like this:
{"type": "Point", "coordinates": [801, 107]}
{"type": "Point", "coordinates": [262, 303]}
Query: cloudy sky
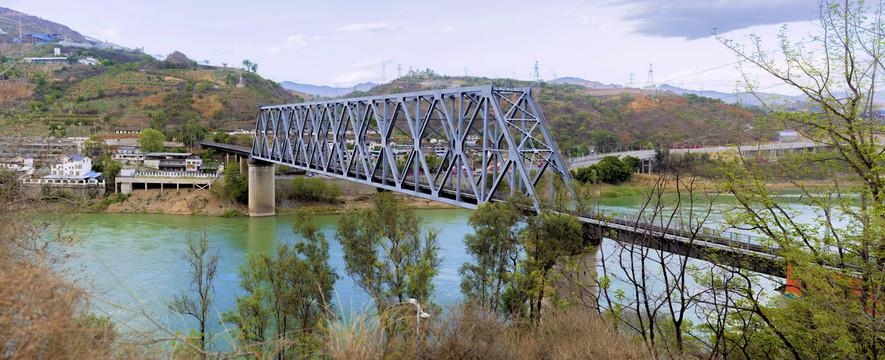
{"type": "Point", "coordinates": [341, 43]}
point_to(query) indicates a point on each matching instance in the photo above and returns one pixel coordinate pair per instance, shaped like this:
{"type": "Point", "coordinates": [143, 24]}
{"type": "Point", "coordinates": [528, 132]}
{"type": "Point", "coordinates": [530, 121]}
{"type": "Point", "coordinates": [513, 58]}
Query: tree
{"type": "Point", "coordinates": [236, 186]}
{"type": "Point", "coordinates": [604, 140]}
{"type": "Point", "coordinates": [203, 269]}
{"type": "Point", "coordinates": [191, 132]}
{"type": "Point", "coordinates": [839, 259]}
{"type": "Point", "coordinates": [110, 170]}
{"type": "Point", "coordinates": [159, 121]}
{"type": "Point", "coordinates": [313, 279]}
{"type": "Point", "coordinates": [95, 147]}
{"type": "Point", "coordinates": [549, 237]}
{"type": "Point", "coordinates": [388, 253]}
{"type": "Point", "coordinates": [632, 162]}
{"type": "Point", "coordinates": [250, 66]}
{"type": "Point", "coordinates": [251, 316]}
{"type": "Point", "coordinates": [150, 140]}
{"type": "Point", "coordinates": [287, 293]}
{"type": "Point", "coordinates": [496, 251]}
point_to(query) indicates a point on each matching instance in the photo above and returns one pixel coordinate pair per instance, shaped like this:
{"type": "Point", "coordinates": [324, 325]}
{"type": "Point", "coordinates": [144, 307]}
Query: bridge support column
{"type": "Point", "coordinates": [576, 281]}
{"type": "Point", "coordinates": [576, 276]}
{"type": "Point", "coordinates": [244, 165]}
{"type": "Point", "coordinates": [262, 201]}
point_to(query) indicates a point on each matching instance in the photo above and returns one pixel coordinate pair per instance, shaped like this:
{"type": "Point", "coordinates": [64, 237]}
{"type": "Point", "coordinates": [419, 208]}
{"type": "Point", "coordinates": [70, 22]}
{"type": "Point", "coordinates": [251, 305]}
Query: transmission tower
{"type": "Point", "coordinates": [650, 83]}
{"type": "Point", "coordinates": [399, 71]}
{"type": "Point", "coordinates": [383, 72]}
{"type": "Point", "coordinates": [630, 81]}
{"type": "Point", "coordinates": [537, 74]}
{"type": "Point", "coordinates": [466, 70]}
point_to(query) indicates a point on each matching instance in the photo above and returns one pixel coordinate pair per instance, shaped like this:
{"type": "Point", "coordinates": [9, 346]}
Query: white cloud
{"type": "Point", "coordinates": [292, 42]}
{"type": "Point", "coordinates": [370, 27]}
{"type": "Point", "coordinates": [109, 34]}
{"type": "Point", "coordinates": [355, 77]}
{"type": "Point", "coordinates": [448, 29]}
{"type": "Point", "coordinates": [371, 63]}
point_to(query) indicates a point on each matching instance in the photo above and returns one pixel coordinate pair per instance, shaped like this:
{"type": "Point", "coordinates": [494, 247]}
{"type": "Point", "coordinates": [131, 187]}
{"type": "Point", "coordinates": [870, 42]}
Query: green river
{"type": "Point", "coordinates": [136, 263]}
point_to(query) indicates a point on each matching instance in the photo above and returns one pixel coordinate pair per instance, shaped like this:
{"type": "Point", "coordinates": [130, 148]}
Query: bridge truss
{"type": "Point", "coordinates": [463, 146]}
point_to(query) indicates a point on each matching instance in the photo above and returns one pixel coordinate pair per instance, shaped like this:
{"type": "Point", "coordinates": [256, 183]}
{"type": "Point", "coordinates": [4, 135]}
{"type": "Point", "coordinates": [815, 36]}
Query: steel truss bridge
{"type": "Point", "coordinates": [465, 147]}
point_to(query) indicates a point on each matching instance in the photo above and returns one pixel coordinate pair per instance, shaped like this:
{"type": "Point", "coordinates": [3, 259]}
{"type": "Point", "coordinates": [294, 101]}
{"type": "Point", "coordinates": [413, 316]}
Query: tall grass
{"type": "Point", "coordinates": [470, 332]}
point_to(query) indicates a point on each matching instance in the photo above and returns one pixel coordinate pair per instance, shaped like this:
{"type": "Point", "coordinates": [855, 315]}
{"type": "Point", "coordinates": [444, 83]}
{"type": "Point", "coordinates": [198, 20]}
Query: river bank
{"type": "Point", "coordinates": [210, 203]}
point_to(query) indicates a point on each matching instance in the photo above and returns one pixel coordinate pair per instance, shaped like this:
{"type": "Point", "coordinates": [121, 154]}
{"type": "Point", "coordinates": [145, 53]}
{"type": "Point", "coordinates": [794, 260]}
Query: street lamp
{"type": "Point", "coordinates": [418, 315]}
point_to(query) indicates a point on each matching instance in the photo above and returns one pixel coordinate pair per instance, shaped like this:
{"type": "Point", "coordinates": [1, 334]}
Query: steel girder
{"type": "Point", "coordinates": [463, 146]}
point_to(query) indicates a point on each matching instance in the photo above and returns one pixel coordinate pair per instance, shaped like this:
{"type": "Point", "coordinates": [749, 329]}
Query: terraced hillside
{"type": "Point", "coordinates": [130, 91]}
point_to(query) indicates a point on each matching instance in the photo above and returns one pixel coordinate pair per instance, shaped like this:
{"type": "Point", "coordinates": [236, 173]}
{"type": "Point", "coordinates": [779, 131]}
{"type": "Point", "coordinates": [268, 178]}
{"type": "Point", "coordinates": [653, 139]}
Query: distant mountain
{"type": "Point", "coordinates": [585, 83]}
{"type": "Point", "coordinates": [9, 25]}
{"type": "Point", "coordinates": [327, 91]}
{"type": "Point", "coordinates": [732, 98]}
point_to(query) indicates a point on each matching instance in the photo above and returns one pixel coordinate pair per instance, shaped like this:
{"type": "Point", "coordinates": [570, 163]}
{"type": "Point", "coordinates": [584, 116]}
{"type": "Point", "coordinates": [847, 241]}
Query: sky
{"type": "Point", "coordinates": [342, 43]}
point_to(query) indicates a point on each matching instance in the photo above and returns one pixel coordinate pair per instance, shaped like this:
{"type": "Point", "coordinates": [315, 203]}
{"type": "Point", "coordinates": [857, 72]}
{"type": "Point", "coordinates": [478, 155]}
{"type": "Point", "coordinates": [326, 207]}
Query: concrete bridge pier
{"type": "Point", "coordinates": [262, 201]}
{"type": "Point", "coordinates": [244, 165]}
{"type": "Point", "coordinates": [576, 280]}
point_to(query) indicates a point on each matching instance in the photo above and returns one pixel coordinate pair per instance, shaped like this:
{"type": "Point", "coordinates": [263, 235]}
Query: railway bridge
{"type": "Point", "coordinates": [462, 146]}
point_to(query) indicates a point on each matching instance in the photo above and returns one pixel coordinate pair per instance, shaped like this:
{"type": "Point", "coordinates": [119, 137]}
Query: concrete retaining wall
{"type": "Point", "coordinates": [90, 191]}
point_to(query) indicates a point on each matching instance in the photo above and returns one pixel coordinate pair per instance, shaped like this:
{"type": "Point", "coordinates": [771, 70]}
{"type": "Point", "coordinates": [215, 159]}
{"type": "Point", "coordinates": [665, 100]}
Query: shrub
{"type": "Point", "coordinates": [315, 190]}
{"type": "Point", "coordinates": [231, 213]}
{"type": "Point", "coordinates": [236, 186]}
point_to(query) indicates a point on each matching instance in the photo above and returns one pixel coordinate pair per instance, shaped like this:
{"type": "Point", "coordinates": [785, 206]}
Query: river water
{"type": "Point", "coordinates": [134, 263]}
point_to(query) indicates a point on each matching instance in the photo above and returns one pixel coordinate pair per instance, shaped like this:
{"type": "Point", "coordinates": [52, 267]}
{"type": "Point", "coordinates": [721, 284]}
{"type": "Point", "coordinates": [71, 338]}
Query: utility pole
{"type": "Point", "coordinates": [650, 83]}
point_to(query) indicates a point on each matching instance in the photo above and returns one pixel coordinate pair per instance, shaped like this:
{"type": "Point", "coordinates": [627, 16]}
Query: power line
{"type": "Point", "coordinates": [729, 64]}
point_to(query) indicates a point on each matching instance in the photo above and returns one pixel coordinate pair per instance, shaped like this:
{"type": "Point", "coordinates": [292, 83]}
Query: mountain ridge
{"type": "Point", "coordinates": [324, 90]}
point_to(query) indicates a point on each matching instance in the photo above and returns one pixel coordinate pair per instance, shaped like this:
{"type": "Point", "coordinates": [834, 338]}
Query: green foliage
{"type": "Point", "coordinates": [231, 213]}
{"type": "Point", "coordinates": [495, 248]}
{"type": "Point", "coordinates": [286, 293]}
{"type": "Point", "coordinates": [609, 170]}
{"type": "Point", "coordinates": [315, 190]}
{"type": "Point", "coordinates": [222, 137]}
{"type": "Point", "coordinates": [159, 120]}
{"type": "Point", "coordinates": [632, 162]}
{"type": "Point", "coordinates": [236, 186]}
{"type": "Point", "coordinates": [388, 253]}
{"type": "Point", "coordinates": [192, 132]}
{"type": "Point", "coordinates": [150, 140]}
{"type": "Point", "coordinates": [203, 268]}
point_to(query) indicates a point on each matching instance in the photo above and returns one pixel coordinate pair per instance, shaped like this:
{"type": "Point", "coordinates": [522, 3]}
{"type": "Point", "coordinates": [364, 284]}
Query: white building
{"type": "Point", "coordinates": [193, 163]}
{"type": "Point", "coordinates": [72, 166]}
{"type": "Point", "coordinates": [129, 155]}
{"type": "Point", "coordinates": [20, 164]}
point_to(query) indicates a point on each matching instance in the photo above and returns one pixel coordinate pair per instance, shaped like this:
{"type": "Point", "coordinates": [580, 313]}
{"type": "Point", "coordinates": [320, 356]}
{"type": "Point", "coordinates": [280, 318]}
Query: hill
{"type": "Point", "coordinates": [9, 24]}
{"type": "Point", "coordinates": [614, 122]}
{"type": "Point", "coordinates": [585, 83]}
{"type": "Point", "coordinates": [131, 91]}
{"type": "Point", "coordinates": [738, 97]}
{"type": "Point", "coordinates": [325, 91]}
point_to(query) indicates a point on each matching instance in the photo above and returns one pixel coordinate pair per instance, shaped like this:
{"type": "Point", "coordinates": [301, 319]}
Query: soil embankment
{"type": "Point", "coordinates": [208, 203]}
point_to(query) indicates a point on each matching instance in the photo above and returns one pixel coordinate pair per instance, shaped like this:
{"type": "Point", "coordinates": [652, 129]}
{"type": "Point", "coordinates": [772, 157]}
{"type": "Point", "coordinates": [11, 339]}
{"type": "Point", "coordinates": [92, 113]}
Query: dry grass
{"type": "Point", "coordinates": [43, 315]}
{"type": "Point", "coordinates": [468, 332]}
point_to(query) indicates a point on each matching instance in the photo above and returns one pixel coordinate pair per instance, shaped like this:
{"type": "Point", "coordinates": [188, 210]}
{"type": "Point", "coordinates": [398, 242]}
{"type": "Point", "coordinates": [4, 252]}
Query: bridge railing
{"type": "Point", "coordinates": [725, 238]}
